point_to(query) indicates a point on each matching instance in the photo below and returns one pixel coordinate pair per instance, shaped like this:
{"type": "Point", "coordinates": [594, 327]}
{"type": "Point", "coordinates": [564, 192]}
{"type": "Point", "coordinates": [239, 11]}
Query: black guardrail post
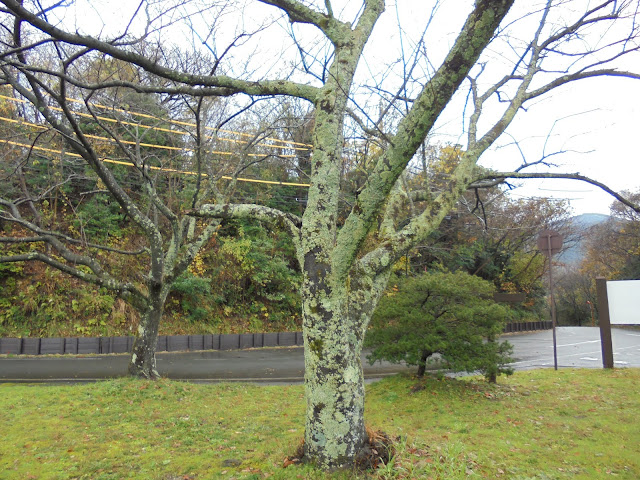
{"type": "Point", "coordinates": [171, 343]}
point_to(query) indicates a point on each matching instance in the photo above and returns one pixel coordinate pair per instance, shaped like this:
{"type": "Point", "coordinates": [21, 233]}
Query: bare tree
{"type": "Point", "coordinates": [346, 261]}
{"type": "Point", "coordinates": [168, 144]}
{"type": "Point", "coordinates": [611, 247]}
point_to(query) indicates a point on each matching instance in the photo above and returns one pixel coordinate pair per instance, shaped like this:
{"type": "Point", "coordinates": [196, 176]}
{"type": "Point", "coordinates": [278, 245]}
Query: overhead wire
{"type": "Point", "coordinates": [130, 142]}
{"type": "Point", "coordinates": [166, 147]}
{"type": "Point", "coordinates": [287, 143]}
{"type": "Point", "coordinates": [188, 124]}
{"type": "Point", "coordinates": [151, 167]}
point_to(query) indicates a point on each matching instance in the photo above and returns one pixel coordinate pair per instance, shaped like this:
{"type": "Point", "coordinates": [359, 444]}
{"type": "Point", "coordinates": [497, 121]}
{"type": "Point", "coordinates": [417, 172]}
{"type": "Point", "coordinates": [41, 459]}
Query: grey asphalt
{"type": "Point", "coordinates": [577, 347]}
{"type": "Point", "coordinates": [271, 365]}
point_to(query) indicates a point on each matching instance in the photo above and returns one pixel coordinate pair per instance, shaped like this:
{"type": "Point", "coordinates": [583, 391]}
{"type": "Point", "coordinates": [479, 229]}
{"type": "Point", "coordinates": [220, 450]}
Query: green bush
{"type": "Point", "coordinates": [450, 314]}
{"type": "Point", "coordinates": [255, 268]}
{"type": "Point", "coordinates": [192, 291]}
{"type": "Point", "coordinates": [100, 218]}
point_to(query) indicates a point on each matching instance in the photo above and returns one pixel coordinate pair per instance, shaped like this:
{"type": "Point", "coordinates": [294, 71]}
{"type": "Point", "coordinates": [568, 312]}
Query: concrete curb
{"type": "Point", "coordinates": [178, 343]}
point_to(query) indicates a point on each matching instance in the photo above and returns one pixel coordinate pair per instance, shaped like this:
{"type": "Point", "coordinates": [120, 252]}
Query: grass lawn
{"type": "Point", "coordinates": [570, 424]}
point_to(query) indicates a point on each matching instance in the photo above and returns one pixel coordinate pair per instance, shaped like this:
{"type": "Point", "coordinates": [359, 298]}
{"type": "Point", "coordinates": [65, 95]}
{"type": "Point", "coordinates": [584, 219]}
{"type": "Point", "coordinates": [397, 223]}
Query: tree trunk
{"type": "Point", "coordinates": [422, 366]}
{"type": "Point", "coordinates": [143, 356]}
{"type": "Point", "coordinates": [334, 385]}
{"type": "Point", "coordinates": [335, 318]}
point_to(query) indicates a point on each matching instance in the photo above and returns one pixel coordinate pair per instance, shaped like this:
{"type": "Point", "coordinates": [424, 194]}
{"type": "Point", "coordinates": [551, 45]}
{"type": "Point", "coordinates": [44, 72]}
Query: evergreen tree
{"type": "Point", "coordinates": [449, 314]}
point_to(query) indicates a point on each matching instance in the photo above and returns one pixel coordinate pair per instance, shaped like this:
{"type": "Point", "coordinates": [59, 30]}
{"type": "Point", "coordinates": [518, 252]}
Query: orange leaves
{"type": "Point", "coordinates": [288, 461]}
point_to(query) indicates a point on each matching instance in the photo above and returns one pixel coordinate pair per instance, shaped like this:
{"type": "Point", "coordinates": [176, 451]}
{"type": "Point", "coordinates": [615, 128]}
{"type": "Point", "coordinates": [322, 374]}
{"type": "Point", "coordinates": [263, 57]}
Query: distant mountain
{"type": "Point", "coordinates": [587, 220]}
{"type": "Point", "coordinates": [574, 252]}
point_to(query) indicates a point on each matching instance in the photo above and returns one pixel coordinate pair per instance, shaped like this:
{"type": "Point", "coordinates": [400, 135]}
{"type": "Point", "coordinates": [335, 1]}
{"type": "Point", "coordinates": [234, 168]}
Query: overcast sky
{"type": "Point", "coordinates": [591, 125]}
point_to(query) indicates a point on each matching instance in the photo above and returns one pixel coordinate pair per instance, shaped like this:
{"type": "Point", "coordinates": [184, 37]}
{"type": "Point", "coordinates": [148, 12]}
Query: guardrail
{"type": "Point", "coordinates": [166, 343]}
{"type": "Point", "coordinates": [177, 343]}
{"type": "Point", "coordinates": [527, 326]}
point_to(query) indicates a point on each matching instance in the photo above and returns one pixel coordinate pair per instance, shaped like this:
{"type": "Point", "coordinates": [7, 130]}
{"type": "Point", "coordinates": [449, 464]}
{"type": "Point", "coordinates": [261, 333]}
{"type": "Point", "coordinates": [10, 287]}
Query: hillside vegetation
{"type": "Point", "coordinates": [245, 281]}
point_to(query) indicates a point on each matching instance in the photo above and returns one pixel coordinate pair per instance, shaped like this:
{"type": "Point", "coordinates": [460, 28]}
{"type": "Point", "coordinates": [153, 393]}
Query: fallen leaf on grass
{"type": "Point", "coordinates": [290, 461]}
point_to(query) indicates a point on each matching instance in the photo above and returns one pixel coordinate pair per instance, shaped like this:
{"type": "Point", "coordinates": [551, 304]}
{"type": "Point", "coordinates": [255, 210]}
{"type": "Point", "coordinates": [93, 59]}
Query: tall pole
{"type": "Point", "coordinates": [593, 319]}
{"type": "Point", "coordinates": [550, 242]}
{"type": "Point", "coordinates": [553, 305]}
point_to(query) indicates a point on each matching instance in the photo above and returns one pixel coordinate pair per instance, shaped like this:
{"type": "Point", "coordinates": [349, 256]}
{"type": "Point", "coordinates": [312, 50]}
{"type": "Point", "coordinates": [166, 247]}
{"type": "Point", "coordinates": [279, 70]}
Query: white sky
{"type": "Point", "coordinates": [595, 122]}
{"type": "Point", "coordinates": [600, 140]}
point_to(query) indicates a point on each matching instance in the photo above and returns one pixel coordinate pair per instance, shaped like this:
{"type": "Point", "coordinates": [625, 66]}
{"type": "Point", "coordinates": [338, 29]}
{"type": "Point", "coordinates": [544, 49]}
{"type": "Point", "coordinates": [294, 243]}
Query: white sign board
{"type": "Point", "coordinates": [624, 302]}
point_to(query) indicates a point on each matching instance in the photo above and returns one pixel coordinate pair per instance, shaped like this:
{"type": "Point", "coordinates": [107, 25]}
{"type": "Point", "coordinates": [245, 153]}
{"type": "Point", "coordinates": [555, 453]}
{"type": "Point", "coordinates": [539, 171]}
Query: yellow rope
{"type": "Point", "coordinates": [130, 142]}
{"type": "Point", "coordinates": [167, 130]}
{"type": "Point", "coordinates": [162, 169]}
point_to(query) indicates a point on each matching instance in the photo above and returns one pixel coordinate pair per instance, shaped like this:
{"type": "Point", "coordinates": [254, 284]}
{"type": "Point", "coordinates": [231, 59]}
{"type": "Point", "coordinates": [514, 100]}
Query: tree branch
{"type": "Point", "coordinates": [299, 13]}
{"type": "Point", "coordinates": [289, 221]}
{"type": "Point", "coordinates": [72, 241]}
{"type": "Point", "coordinates": [607, 72]}
{"type": "Point", "coordinates": [476, 34]}
{"type": "Point", "coordinates": [258, 88]}
{"type": "Point", "coordinates": [497, 178]}
{"type": "Point", "coordinates": [123, 288]}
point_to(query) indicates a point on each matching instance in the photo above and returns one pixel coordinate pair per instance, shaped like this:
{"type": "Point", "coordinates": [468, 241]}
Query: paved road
{"type": "Point", "coordinates": [577, 347]}
{"type": "Point", "coordinates": [271, 365]}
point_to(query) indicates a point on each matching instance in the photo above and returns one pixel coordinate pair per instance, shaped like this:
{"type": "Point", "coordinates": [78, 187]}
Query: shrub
{"type": "Point", "coordinates": [450, 314]}
{"type": "Point", "coordinates": [192, 291]}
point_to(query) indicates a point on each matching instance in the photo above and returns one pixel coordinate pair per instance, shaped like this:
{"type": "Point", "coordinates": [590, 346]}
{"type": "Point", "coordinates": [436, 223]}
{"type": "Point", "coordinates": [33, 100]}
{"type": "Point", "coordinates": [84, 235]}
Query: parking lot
{"type": "Point", "coordinates": [577, 347]}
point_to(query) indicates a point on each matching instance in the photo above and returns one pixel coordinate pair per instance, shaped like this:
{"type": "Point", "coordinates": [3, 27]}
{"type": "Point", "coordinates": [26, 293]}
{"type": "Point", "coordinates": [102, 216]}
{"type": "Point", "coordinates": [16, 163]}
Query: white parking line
{"type": "Point", "coordinates": [626, 348]}
{"type": "Point", "coordinates": [596, 352]}
{"type": "Point", "coordinates": [581, 353]}
{"type": "Point", "coordinates": [580, 343]}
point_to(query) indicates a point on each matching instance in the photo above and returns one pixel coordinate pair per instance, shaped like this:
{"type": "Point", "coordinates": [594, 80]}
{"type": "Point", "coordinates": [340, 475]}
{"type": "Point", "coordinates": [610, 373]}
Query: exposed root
{"type": "Point", "coordinates": [297, 457]}
{"type": "Point", "coordinates": [377, 451]}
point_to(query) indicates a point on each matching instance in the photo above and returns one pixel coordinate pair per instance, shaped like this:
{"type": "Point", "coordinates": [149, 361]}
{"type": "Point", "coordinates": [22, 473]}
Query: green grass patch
{"type": "Point", "coordinates": [577, 424]}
